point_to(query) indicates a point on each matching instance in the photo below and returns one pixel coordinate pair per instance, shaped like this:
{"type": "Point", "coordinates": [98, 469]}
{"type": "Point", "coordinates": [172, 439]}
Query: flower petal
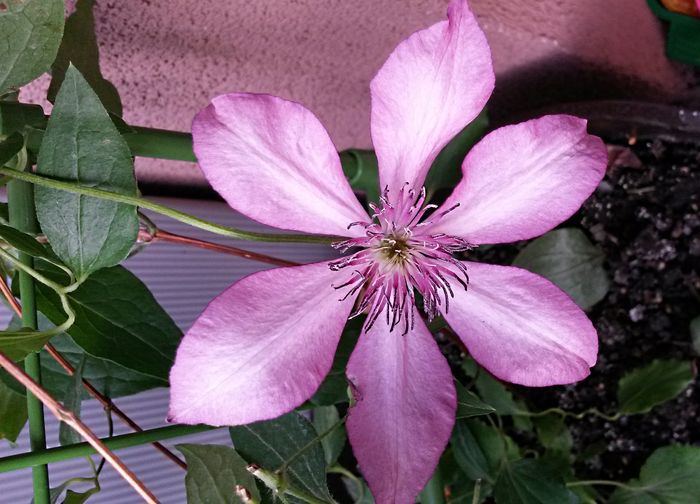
{"type": "Point", "coordinates": [432, 85]}
{"type": "Point", "coordinates": [260, 348]}
{"type": "Point", "coordinates": [521, 327]}
{"type": "Point", "coordinates": [405, 409]}
{"type": "Point", "coordinates": [522, 180]}
{"type": "Point", "coordinates": [272, 160]}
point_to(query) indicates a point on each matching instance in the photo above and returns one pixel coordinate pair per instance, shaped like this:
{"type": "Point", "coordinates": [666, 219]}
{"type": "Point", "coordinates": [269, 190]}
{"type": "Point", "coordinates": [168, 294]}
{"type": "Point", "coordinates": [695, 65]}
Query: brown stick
{"type": "Point", "coordinates": [68, 417]}
{"type": "Point", "coordinates": [7, 293]}
{"type": "Point", "coordinates": [104, 400]}
{"type": "Point", "coordinates": [161, 235]}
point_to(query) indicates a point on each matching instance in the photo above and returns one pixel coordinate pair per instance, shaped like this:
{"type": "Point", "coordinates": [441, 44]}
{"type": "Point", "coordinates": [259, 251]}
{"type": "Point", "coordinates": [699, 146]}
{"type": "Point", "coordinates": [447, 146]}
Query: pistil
{"type": "Point", "coordinates": [396, 256]}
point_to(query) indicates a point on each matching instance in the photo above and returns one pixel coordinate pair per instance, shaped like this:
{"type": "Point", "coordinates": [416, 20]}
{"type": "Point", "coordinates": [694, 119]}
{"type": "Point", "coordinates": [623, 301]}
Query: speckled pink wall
{"type": "Point", "coordinates": [168, 58]}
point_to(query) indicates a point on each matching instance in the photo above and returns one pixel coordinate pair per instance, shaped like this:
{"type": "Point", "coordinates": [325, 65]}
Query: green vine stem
{"type": "Point", "coordinates": [20, 196]}
{"type": "Point", "coordinates": [572, 484]}
{"type": "Point", "coordinates": [477, 492]}
{"type": "Point", "coordinates": [577, 416]}
{"type": "Point", "coordinates": [59, 289]}
{"type": "Point", "coordinates": [164, 210]}
{"type": "Point", "coordinates": [35, 458]}
{"type": "Point", "coordinates": [277, 483]}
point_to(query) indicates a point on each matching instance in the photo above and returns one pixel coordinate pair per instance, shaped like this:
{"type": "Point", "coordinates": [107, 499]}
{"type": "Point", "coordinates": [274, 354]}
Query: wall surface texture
{"type": "Point", "coordinates": [168, 58]}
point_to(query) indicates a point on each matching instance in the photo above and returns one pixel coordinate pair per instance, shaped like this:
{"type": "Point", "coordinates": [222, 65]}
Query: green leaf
{"type": "Point", "coordinates": [643, 388]}
{"type": "Point", "coordinates": [56, 492]}
{"type": "Point", "coordinates": [214, 472]}
{"type": "Point", "coordinates": [446, 170]}
{"type": "Point", "coordinates": [334, 388]}
{"type": "Point", "coordinates": [669, 476]}
{"type": "Point", "coordinates": [72, 400]}
{"type": "Point", "coordinates": [360, 168]}
{"type": "Point", "coordinates": [30, 33]}
{"type": "Point", "coordinates": [109, 378]}
{"type": "Point", "coordinates": [73, 497]}
{"type": "Point", "coordinates": [496, 395]}
{"type": "Point", "coordinates": [82, 144]}
{"type": "Point", "coordinates": [462, 492]}
{"type": "Point", "coordinates": [273, 443]}
{"type": "Point", "coordinates": [10, 146]}
{"type": "Point", "coordinates": [358, 490]}
{"type": "Point", "coordinates": [21, 342]}
{"type": "Point", "coordinates": [586, 494]}
{"type": "Point", "coordinates": [325, 417]}
{"type": "Point", "coordinates": [695, 334]}
{"type": "Point", "coordinates": [18, 117]}
{"type": "Point", "coordinates": [528, 481]}
{"type": "Point", "coordinates": [469, 404]}
{"type": "Point", "coordinates": [27, 244]}
{"type": "Point", "coordinates": [460, 488]}
{"type": "Point", "coordinates": [571, 261]}
{"type": "Point", "coordinates": [79, 47]}
{"type": "Point", "coordinates": [555, 437]}
{"type": "Point", "coordinates": [479, 450]}
{"type": "Point", "coordinates": [117, 318]}
{"type": "Point", "coordinates": [13, 413]}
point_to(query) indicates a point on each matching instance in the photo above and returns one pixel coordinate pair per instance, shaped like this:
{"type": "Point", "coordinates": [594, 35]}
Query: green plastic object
{"type": "Point", "coordinates": [683, 43]}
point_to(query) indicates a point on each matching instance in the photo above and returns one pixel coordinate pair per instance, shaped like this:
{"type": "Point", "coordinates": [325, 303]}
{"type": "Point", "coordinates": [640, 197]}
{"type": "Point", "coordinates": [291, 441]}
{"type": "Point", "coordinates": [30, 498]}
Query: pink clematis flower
{"type": "Point", "coordinates": [265, 344]}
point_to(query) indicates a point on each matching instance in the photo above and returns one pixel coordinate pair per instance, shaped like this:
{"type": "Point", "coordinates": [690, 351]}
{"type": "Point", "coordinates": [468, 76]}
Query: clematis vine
{"type": "Point", "coordinates": [264, 345]}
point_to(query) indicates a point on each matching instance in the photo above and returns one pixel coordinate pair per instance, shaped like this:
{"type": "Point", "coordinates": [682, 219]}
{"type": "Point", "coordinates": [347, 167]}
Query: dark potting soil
{"type": "Point", "coordinates": [645, 216]}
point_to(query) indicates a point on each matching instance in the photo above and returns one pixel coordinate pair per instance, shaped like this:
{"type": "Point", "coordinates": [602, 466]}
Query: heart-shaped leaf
{"type": "Point", "coordinates": [670, 475]}
{"type": "Point", "coordinates": [289, 442]}
{"type": "Point", "coordinates": [469, 405]}
{"type": "Point", "coordinates": [109, 378]}
{"type": "Point", "coordinates": [72, 400]}
{"type": "Point", "coordinates": [571, 261]}
{"type": "Point", "coordinates": [30, 33]}
{"type": "Point", "coordinates": [529, 481]}
{"type": "Point", "coordinates": [27, 244]}
{"type": "Point", "coordinates": [81, 144]}
{"type": "Point", "coordinates": [662, 380]}
{"type": "Point", "coordinates": [213, 474]}
{"type": "Point", "coordinates": [117, 318]}
{"type": "Point", "coordinates": [326, 421]}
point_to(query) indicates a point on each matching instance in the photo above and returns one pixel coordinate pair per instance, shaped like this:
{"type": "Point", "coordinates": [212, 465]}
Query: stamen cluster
{"type": "Point", "coordinates": [399, 254]}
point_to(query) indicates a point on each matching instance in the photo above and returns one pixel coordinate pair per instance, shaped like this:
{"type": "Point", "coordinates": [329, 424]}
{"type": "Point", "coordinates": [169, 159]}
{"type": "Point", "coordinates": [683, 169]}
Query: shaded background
{"type": "Point", "coordinates": [169, 58]}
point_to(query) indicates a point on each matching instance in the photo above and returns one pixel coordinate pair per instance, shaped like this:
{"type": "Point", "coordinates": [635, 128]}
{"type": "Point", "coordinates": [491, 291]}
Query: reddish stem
{"type": "Point", "coordinates": [161, 235]}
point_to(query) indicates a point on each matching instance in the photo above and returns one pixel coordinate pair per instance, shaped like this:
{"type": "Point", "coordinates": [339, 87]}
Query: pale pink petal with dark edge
{"type": "Point", "coordinates": [259, 349]}
{"type": "Point", "coordinates": [272, 160]}
{"type": "Point", "coordinates": [432, 85]}
{"type": "Point", "coordinates": [405, 409]}
{"type": "Point", "coordinates": [521, 327]}
{"type": "Point", "coordinates": [522, 180]}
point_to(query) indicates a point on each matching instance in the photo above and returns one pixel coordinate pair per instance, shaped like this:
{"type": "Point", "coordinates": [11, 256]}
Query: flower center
{"type": "Point", "coordinates": [394, 250]}
{"type": "Point", "coordinates": [398, 255]}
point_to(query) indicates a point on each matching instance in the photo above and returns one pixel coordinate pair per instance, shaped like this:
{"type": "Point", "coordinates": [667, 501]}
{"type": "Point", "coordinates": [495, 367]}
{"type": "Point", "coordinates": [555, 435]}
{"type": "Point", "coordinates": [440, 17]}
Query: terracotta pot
{"type": "Point", "coordinates": [689, 7]}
